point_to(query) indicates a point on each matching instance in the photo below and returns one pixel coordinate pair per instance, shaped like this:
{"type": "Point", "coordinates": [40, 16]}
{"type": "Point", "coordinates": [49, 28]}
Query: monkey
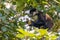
{"type": "Point", "coordinates": [42, 19]}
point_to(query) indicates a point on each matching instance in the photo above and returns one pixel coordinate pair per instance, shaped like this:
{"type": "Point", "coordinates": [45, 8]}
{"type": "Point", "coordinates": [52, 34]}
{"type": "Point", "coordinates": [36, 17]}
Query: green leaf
{"type": "Point", "coordinates": [42, 32]}
{"type": "Point", "coordinates": [20, 36]}
{"type": "Point", "coordinates": [4, 29]}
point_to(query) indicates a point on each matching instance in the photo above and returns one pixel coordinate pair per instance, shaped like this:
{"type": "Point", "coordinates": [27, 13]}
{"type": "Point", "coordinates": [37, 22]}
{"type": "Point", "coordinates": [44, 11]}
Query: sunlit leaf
{"type": "Point", "coordinates": [43, 31]}
{"type": "Point", "coordinates": [20, 36]}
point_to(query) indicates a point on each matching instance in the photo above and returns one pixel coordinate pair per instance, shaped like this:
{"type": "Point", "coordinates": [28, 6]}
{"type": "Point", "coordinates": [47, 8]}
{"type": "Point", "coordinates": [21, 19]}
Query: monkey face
{"type": "Point", "coordinates": [35, 18]}
{"type": "Point", "coordinates": [34, 13]}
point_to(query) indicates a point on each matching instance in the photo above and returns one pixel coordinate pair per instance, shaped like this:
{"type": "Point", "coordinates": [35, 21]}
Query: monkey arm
{"type": "Point", "coordinates": [37, 23]}
{"type": "Point", "coordinates": [48, 17]}
{"type": "Point", "coordinates": [48, 21]}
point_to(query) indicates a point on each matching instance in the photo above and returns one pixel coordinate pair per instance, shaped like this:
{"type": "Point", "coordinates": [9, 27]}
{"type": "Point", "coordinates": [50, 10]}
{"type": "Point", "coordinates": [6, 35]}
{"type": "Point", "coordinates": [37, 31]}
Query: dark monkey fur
{"type": "Point", "coordinates": [42, 19]}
